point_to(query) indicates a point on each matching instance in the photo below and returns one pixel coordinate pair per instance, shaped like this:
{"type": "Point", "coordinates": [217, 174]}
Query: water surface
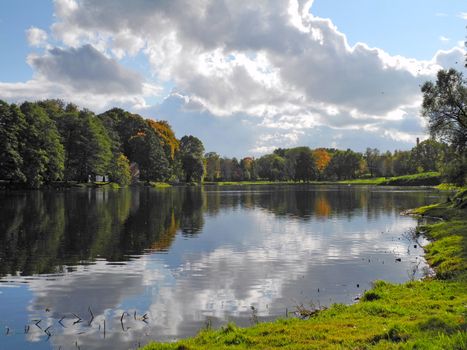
{"type": "Point", "coordinates": [163, 264]}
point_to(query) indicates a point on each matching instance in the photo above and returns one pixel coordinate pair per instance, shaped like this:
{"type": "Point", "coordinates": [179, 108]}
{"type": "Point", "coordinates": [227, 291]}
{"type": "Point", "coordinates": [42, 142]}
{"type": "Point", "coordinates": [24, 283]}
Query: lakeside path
{"type": "Point", "coordinates": [427, 314]}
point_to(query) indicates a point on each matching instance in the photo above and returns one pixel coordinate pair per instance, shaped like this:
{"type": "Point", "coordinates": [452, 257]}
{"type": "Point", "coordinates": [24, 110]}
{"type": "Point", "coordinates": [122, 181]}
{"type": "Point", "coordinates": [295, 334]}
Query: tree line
{"type": "Point", "coordinates": [49, 140]}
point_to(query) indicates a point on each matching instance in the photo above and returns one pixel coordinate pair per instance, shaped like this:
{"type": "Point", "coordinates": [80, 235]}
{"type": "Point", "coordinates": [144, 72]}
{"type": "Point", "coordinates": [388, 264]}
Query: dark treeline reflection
{"type": "Point", "coordinates": [41, 232]}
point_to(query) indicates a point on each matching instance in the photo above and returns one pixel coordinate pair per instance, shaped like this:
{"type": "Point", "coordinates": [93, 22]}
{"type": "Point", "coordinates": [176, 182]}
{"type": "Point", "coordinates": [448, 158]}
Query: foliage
{"type": "Point", "coordinates": [43, 154]}
{"type": "Point", "coordinates": [322, 159]}
{"type": "Point", "coordinates": [191, 156]}
{"type": "Point", "coordinates": [272, 167]}
{"type": "Point", "coordinates": [12, 125]}
{"type": "Point", "coordinates": [169, 141]}
{"type": "Point", "coordinates": [344, 165]}
{"type": "Point", "coordinates": [445, 107]}
{"type": "Point", "coordinates": [213, 166]}
{"type": "Point", "coordinates": [87, 145]}
{"type": "Point", "coordinates": [119, 170]}
{"type": "Point", "coordinates": [305, 168]}
{"type": "Point", "coordinates": [423, 179]}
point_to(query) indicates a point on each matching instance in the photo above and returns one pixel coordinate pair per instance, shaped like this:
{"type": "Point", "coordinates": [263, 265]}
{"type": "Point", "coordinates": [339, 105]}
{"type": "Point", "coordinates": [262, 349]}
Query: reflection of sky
{"type": "Point", "coordinates": [242, 257]}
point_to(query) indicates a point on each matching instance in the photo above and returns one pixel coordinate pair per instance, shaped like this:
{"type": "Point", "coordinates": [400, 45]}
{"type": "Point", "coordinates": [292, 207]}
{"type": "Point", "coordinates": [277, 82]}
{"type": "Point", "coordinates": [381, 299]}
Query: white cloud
{"type": "Point", "coordinates": [37, 37]}
{"type": "Point", "coordinates": [444, 39]}
{"type": "Point", "coordinates": [462, 15]}
{"type": "Point", "coordinates": [271, 63]}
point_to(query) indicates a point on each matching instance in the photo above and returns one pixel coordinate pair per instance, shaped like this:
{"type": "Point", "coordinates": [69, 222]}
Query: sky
{"type": "Point", "coordinates": [245, 77]}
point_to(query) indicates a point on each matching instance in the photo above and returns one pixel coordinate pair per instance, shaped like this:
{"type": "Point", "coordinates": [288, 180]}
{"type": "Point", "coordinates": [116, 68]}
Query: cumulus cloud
{"type": "Point", "coordinates": [37, 37]}
{"type": "Point", "coordinates": [86, 69]}
{"type": "Point", "coordinates": [272, 64]}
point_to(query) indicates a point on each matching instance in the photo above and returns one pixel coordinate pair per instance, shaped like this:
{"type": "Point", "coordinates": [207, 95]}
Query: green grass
{"type": "Point", "coordinates": [371, 181]}
{"type": "Point", "coordinates": [422, 179]}
{"type": "Point", "coordinates": [160, 184]}
{"type": "Point", "coordinates": [428, 314]}
{"type": "Point", "coordinates": [449, 187]}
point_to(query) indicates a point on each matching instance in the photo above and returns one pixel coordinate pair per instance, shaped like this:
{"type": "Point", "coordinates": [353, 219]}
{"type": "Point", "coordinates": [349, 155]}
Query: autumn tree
{"type": "Point", "coordinates": [169, 142]}
{"type": "Point", "coordinates": [322, 159]}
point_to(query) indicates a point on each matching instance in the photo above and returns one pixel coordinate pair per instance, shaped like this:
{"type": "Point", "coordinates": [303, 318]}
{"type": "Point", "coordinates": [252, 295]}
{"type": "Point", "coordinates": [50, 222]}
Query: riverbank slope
{"type": "Point", "coordinates": [428, 314]}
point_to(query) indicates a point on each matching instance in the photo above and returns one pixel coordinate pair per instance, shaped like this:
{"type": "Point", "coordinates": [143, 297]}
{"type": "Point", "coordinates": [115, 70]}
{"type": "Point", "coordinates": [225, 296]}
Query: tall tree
{"type": "Point", "coordinates": [445, 107]}
{"type": "Point", "coordinates": [322, 159]}
{"type": "Point", "coordinates": [213, 166]}
{"type": "Point", "coordinates": [272, 167]}
{"type": "Point", "coordinates": [169, 141]}
{"type": "Point", "coordinates": [344, 165]}
{"type": "Point", "coordinates": [371, 157]}
{"type": "Point", "coordinates": [12, 124]}
{"type": "Point", "coordinates": [305, 167]}
{"type": "Point", "coordinates": [43, 154]}
{"type": "Point", "coordinates": [191, 155]}
{"type": "Point", "coordinates": [87, 145]}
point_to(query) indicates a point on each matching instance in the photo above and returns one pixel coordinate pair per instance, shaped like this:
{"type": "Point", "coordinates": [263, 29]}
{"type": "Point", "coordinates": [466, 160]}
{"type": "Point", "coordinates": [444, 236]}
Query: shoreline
{"type": "Point", "coordinates": [428, 314]}
{"type": "Point", "coordinates": [424, 180]}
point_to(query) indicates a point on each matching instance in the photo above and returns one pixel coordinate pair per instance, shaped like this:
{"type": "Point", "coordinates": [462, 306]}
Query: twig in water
{"type": "Point", "coordinates": [104, 328]}
{"type": "Point", "coordinates": [121, 320]}
{"type": "Point", "coordinates": [60, 322]}
{"type": "Point", "coordinates": [37, 324]}
{"type": "Point", "coordinates": [78, 318]}
{"type": "Point", "coordinates": [92, 315]}
{"type": "Point", "coordinates": [26, 329]}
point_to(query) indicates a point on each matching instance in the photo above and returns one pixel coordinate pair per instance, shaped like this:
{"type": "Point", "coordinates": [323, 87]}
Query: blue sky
{"type": "Point", "coordinates": [267, 74]}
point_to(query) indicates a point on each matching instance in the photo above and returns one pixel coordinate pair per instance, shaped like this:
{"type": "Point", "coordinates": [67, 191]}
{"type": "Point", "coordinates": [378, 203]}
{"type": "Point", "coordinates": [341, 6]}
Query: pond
{"type": "Point", "coordinates": [114, 269]}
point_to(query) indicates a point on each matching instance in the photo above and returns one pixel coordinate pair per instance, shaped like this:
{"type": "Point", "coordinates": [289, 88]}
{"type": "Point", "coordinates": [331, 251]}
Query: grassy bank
{"type": "Point", "coordinates": [422, 179]}
{"type": "Point", "coordinates": [428, 314]}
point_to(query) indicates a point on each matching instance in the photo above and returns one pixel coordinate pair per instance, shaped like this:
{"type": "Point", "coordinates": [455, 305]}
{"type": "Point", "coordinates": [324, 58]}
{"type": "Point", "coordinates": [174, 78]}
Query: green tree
{"type": "Point", "coordinates": [191, 156]}
{"type": "Point", "coordinates": [87, 145]}
{"type": "Point", "coordinates": [143, 142]}
{"type": "Point", "coordinates": [272, 167]}
{"type": "Point", "coordinates": [119, 170]}
{"type": "Point", "coordinates": [445, 107]}
{"type": "Point", "coordinates": [12, 125]}
{"type": "Point", "coordinates": [344, 165]}
{"type": "Point", "coordinates": [213, 166]}
{"type": "Point", "coordinates": [371, 157]}
{"type": "Point", "coordinates": [43, 154]}
{"type": "Point", "coordinates": [428, 155]}
{"type": "Point", "coordinates": [305, 167]}
{"type": "Point", "coordinates": [146, 150]}
{"type": "Point", "coordinates": [402, 163]}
